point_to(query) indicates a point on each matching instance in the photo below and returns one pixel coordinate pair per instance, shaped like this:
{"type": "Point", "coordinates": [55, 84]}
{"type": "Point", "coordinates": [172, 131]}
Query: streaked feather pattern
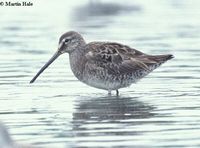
{"type": "Point", "coordinates": [104, 65]}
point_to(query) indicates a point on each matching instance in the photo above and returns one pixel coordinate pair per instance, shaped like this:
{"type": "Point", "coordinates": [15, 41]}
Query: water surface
{"type": "Point", "coordinates": [162, 110]}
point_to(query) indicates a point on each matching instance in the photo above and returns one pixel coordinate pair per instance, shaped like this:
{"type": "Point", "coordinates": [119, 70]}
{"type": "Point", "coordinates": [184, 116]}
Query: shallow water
{"type": "Point", "coordinates": [162, 110]}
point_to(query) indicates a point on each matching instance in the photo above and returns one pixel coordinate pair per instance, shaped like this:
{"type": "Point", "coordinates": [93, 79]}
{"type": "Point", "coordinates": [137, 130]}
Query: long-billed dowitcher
{"type": "Point", "coordinates": [105, 65]}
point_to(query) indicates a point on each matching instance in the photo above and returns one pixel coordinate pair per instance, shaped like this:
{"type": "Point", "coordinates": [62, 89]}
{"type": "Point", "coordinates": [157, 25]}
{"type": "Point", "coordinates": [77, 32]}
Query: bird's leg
{"type": "Point", "coordinates": [117, 92]}
{"type": "Point", "coordinates": [109, 92]}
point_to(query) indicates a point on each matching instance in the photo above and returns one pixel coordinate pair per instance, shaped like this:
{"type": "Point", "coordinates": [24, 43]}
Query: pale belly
{"type": "Point", "coordinates": [107, 84]}
{"type": "Point", "coordinates": [103, 80]}
{"type": "Point", "coordinates": [111, 82]}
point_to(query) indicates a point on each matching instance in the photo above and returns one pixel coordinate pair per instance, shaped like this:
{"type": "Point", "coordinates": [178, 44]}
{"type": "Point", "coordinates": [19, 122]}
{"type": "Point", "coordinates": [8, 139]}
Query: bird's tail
{"type": "Point", "coordinates": [157, 60]}
{"type": "Point", "coordinates": [161, 58]}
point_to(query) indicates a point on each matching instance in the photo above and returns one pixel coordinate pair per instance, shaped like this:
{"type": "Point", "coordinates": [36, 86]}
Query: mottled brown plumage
{"type": "Point", "coordinates": [105, 65]}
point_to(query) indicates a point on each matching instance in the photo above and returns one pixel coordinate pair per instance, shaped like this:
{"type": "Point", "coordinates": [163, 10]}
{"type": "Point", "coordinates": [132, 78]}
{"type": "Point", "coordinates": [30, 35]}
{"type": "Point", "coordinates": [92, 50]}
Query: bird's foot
{"type": "Point", "coordinates": [117, 92]}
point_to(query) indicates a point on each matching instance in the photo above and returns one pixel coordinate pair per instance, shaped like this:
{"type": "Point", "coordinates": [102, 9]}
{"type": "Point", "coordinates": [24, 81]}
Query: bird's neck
{"type": "Point", "coordinates": [77, 61]}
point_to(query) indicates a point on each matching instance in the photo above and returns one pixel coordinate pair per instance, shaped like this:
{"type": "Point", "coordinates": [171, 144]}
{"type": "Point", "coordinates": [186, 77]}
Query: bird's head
{"type": "Point", "coordinates": [68, 42]}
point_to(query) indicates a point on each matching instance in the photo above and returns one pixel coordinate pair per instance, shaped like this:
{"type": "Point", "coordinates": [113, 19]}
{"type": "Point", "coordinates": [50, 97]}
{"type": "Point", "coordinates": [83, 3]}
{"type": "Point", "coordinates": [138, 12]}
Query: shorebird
{"type": "Point", "coordinates": [105, 65]}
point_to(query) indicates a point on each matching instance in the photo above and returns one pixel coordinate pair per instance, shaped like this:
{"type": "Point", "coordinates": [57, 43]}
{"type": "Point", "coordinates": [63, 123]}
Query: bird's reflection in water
{"type": "Point", "coordinates": [101, 113]}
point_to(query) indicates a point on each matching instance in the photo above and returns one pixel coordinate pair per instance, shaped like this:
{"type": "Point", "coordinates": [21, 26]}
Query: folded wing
{"type": "Point", "coordinates": [121, 59]}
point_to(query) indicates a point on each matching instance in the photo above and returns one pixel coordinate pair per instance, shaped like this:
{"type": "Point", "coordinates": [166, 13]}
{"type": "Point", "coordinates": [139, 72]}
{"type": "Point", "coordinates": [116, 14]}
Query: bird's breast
{"type": "Point", "coordinates": [77, 64]}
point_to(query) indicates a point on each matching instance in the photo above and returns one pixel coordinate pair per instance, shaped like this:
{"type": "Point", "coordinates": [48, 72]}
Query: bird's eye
{"type": "Point", "coordinates": [66, 41]}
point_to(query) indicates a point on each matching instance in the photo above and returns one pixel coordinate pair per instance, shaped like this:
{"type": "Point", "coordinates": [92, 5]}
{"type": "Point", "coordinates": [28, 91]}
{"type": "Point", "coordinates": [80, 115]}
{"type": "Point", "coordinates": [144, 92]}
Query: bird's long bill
{"type": "Point", "coordinates": [57, 54]}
